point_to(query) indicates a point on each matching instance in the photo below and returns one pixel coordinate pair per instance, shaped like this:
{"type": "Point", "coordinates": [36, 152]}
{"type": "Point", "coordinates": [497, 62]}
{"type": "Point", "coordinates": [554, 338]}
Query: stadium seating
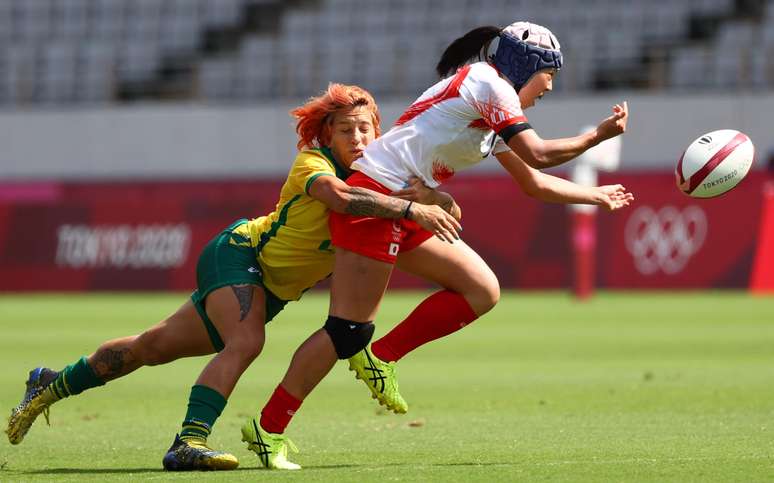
{"type": "Point", "coordinates": [99, 51]}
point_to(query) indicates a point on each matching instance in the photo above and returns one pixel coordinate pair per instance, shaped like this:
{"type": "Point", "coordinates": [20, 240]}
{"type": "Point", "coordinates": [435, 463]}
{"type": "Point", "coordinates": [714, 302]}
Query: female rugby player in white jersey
{"type": "Point", "coordinates": [491, 76]}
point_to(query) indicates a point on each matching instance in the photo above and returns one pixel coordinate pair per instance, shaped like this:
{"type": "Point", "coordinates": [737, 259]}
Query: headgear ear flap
{"type": "Point", "coordinates": [518, 60]}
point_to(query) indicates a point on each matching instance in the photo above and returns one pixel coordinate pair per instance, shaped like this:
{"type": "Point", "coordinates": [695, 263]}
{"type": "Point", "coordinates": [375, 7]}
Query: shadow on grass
{"type": "Point", "coordinates": [396, 465]}
{"type": "Point", "coordinates": [108, 471]}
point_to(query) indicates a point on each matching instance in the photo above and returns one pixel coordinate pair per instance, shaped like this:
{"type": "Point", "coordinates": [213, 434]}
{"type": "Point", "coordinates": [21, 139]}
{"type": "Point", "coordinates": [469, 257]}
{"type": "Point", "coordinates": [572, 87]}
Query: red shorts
{"type": "Point", "coordinates": [377, 238]}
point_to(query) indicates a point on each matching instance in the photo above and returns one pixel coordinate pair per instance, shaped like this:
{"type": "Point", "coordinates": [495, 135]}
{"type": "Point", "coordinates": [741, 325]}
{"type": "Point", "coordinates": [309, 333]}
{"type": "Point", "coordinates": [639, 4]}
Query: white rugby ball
{"type": "Point", "coordinates": [714, 163]}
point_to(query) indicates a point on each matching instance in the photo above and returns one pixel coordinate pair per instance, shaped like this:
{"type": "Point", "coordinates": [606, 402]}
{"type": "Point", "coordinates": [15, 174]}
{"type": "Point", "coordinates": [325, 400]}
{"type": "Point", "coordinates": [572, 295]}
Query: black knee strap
{"type": "Point", "coordinates": [349, 337]}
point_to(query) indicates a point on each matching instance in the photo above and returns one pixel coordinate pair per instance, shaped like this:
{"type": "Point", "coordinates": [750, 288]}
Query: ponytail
{"type": "Point", "coordinates": [459, 52]}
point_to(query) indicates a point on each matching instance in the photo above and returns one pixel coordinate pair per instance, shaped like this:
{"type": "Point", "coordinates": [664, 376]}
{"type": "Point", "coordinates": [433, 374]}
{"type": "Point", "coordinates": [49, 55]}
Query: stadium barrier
{"type": "Point", "coordinates": [146, 235]}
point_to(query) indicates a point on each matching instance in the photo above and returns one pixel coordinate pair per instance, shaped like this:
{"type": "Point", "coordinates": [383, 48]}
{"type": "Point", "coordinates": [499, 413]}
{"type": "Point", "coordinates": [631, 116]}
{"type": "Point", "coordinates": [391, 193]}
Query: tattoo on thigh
{"type": "Point", "coordinates": [109, 363]}
{"type": "Point", "coordinates": [244, 295]}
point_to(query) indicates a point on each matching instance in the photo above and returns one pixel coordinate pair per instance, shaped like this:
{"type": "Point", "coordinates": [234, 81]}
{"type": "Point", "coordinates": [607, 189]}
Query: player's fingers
{"type": "Point", "coordinates": [452, 226]}
{"type": "Point", "coordinates": [453, 222]}
{"type": "Point", "coordinates": [440, 233]}
{"type": "Point", "coordinates": [452, 230]}
{"type": "Point", "coordinates": [444, 232]}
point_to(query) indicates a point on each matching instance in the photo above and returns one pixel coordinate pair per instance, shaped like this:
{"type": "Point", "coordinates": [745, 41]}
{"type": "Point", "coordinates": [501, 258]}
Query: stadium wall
{"type": "Point", "coordinates": [146, 235]}
{"type": "Point", "coordinates": [200, 141]}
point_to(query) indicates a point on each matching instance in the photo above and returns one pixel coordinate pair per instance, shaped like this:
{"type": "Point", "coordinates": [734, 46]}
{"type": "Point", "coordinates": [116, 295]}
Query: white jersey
{"type": "Point", "coordinates": [450, 127]}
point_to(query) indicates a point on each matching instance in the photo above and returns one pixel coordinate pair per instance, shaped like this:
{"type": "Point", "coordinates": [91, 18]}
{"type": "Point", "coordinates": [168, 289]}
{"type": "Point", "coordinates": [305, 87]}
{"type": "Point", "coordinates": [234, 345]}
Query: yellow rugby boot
{"type": "Point", "coordinates": [381, 379]}
{"type": "Point", "coordinates": [271, 448]}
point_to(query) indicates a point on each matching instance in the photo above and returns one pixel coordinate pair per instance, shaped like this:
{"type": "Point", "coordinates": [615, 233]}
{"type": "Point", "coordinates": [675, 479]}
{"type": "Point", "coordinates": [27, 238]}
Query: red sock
{"type": "Point", "coordinates": [438, 315]}
{"type": "Point", "coordinates": [278, 412]}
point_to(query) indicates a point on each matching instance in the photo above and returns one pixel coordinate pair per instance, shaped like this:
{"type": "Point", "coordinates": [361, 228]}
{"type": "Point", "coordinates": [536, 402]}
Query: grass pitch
{"type": "Point", "coordinates": [627, 387]}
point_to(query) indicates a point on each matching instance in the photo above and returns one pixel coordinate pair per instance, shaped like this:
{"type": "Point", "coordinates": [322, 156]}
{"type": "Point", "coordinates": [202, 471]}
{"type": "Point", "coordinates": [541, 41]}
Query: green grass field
{"type": "Point", "coordinates": [627, 387]}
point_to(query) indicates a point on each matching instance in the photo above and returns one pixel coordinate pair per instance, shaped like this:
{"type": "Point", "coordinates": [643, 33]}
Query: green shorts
{"type": "Point", "coordinates": [221, 264]}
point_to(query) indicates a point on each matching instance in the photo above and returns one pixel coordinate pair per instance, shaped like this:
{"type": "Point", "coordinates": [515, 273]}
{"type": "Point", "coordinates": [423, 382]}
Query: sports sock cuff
{"type": "Point", "coordinates": [383, 351]}
{"type": "Point", "coordinates": [437, 316]}
{"type": "Point", "coordinates": [205, 405]}
{"type": "Point", "coordinates": [278, 412]}
{"type": "Point", "coordinates": [466, 311]}
{"type": "Point", "coordinates": [76, 378]}
{"type": "Point", "coordinates": [208, 397]}
{"type": "Point", "coordinates": [290, 400]}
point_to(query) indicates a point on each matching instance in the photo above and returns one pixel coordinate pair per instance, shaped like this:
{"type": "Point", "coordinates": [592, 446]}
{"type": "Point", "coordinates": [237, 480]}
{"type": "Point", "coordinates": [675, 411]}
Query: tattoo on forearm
{"type": "Point", "coordinates": [244, 295]}
{"type": "Point", "coordinates": [364, 202]}
{"type": "Point", "coordinates": [109, 364]}
{"type": "Point", "coordinates": [447, 204]}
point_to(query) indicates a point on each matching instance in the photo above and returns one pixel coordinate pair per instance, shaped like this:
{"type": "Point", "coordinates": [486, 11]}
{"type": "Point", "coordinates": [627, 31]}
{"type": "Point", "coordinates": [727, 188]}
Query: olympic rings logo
{"type": "Point", "coordinates": [665, 239]}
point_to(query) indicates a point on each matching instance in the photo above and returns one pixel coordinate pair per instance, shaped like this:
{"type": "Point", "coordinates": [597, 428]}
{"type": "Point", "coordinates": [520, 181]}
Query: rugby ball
{"type": "Point", "coordinates": [714, 163]}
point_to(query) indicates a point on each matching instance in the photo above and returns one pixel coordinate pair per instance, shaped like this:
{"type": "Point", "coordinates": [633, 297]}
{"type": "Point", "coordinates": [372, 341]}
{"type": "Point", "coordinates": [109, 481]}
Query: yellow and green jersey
{"type": "Point", "coordinates": [293, 243]}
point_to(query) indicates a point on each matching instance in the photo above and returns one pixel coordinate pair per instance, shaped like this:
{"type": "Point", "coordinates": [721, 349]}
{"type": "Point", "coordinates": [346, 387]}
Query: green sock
{"type": "Point", "coordinates": [74, 379]}
{"type": "Point", "coordinates": [204, 407]}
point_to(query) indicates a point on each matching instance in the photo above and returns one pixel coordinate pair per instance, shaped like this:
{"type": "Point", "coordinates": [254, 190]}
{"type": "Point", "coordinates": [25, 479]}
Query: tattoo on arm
{"type": "Point", "coordinates": [244, 295]}
{"type": "Point", "coordinates": [109, 364]}
{"type": "Point", "coordinates": [447, 204]}
{"type": "Point", "coordinates": [365, 202]}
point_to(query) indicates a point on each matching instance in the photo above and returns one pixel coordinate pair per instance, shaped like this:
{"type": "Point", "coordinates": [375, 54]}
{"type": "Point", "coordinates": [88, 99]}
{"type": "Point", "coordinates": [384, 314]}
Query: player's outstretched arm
{"type": "Point", "coordinates": [342, 198]}
{"type": "Point", "coordinates": [541, 153]}
{"type": "Point", "coordinates": [546, 187]}
{"type": "Point", "coordinates": [418, 191]}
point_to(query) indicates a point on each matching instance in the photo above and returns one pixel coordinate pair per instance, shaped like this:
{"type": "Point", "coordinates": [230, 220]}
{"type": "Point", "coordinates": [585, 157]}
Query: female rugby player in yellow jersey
{"type": "Point", "coordinates": [245, 276]}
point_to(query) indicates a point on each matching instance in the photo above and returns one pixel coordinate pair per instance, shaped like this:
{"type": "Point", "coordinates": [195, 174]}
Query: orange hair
{"type": "Point", "coordinates": [314, 117]}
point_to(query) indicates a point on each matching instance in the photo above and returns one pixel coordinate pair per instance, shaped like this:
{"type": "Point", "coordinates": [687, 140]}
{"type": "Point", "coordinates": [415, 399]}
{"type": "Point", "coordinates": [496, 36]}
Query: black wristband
{"type": "Point", "coordinates": [406, 212]}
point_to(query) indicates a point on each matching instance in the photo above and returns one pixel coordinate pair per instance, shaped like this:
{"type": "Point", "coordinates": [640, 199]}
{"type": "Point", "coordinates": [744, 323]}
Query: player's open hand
{"type": "Point", "coordinates": [615, 124]}
{"type": "Point", "coordinates": [435, 220]}
{"type": "Point", "coordinates": [416, 190]}
{"type": "Point", "coordinates": [613, 197]}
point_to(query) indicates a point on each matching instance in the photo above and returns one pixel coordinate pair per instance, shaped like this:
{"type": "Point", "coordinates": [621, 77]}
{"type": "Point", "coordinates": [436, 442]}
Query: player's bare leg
{"type": "Point", "coordinates": [238, 314]}
{"type": "Point", "coordinates": [455, 267]}
{"type": "Point", "coordinates": [363, 281]}
{"type": "Point", "coordinates": [366, 279]}
{"type": "Point", "coordinates": [470, 290]}
{"type": "Point", "coordinates": [182, 334]}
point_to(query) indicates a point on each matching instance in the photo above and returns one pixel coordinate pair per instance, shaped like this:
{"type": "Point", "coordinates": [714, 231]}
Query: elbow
{"type": "Point", "coordinates": [538, 160]}
{"type": "Point", "coordinates": [538, 156]}
{"type": "Point", "coordinates": [535, 188]}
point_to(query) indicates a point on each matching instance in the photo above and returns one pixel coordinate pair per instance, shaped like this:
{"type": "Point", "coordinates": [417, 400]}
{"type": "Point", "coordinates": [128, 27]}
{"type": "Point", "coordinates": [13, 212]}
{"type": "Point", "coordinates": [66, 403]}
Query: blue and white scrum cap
{"type": "Point", "coordinates": [522, 50]}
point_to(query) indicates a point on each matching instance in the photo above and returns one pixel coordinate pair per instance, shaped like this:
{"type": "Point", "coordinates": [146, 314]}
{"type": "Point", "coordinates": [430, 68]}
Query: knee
{"type": "Point", "coordinates": [492, 293]}
{"type": "Point", "coordinates": [348, 337]}
{"type": "Point", "coordinates": [245, 348]}
{"type": "Point", "coordinates": [485, 295]}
